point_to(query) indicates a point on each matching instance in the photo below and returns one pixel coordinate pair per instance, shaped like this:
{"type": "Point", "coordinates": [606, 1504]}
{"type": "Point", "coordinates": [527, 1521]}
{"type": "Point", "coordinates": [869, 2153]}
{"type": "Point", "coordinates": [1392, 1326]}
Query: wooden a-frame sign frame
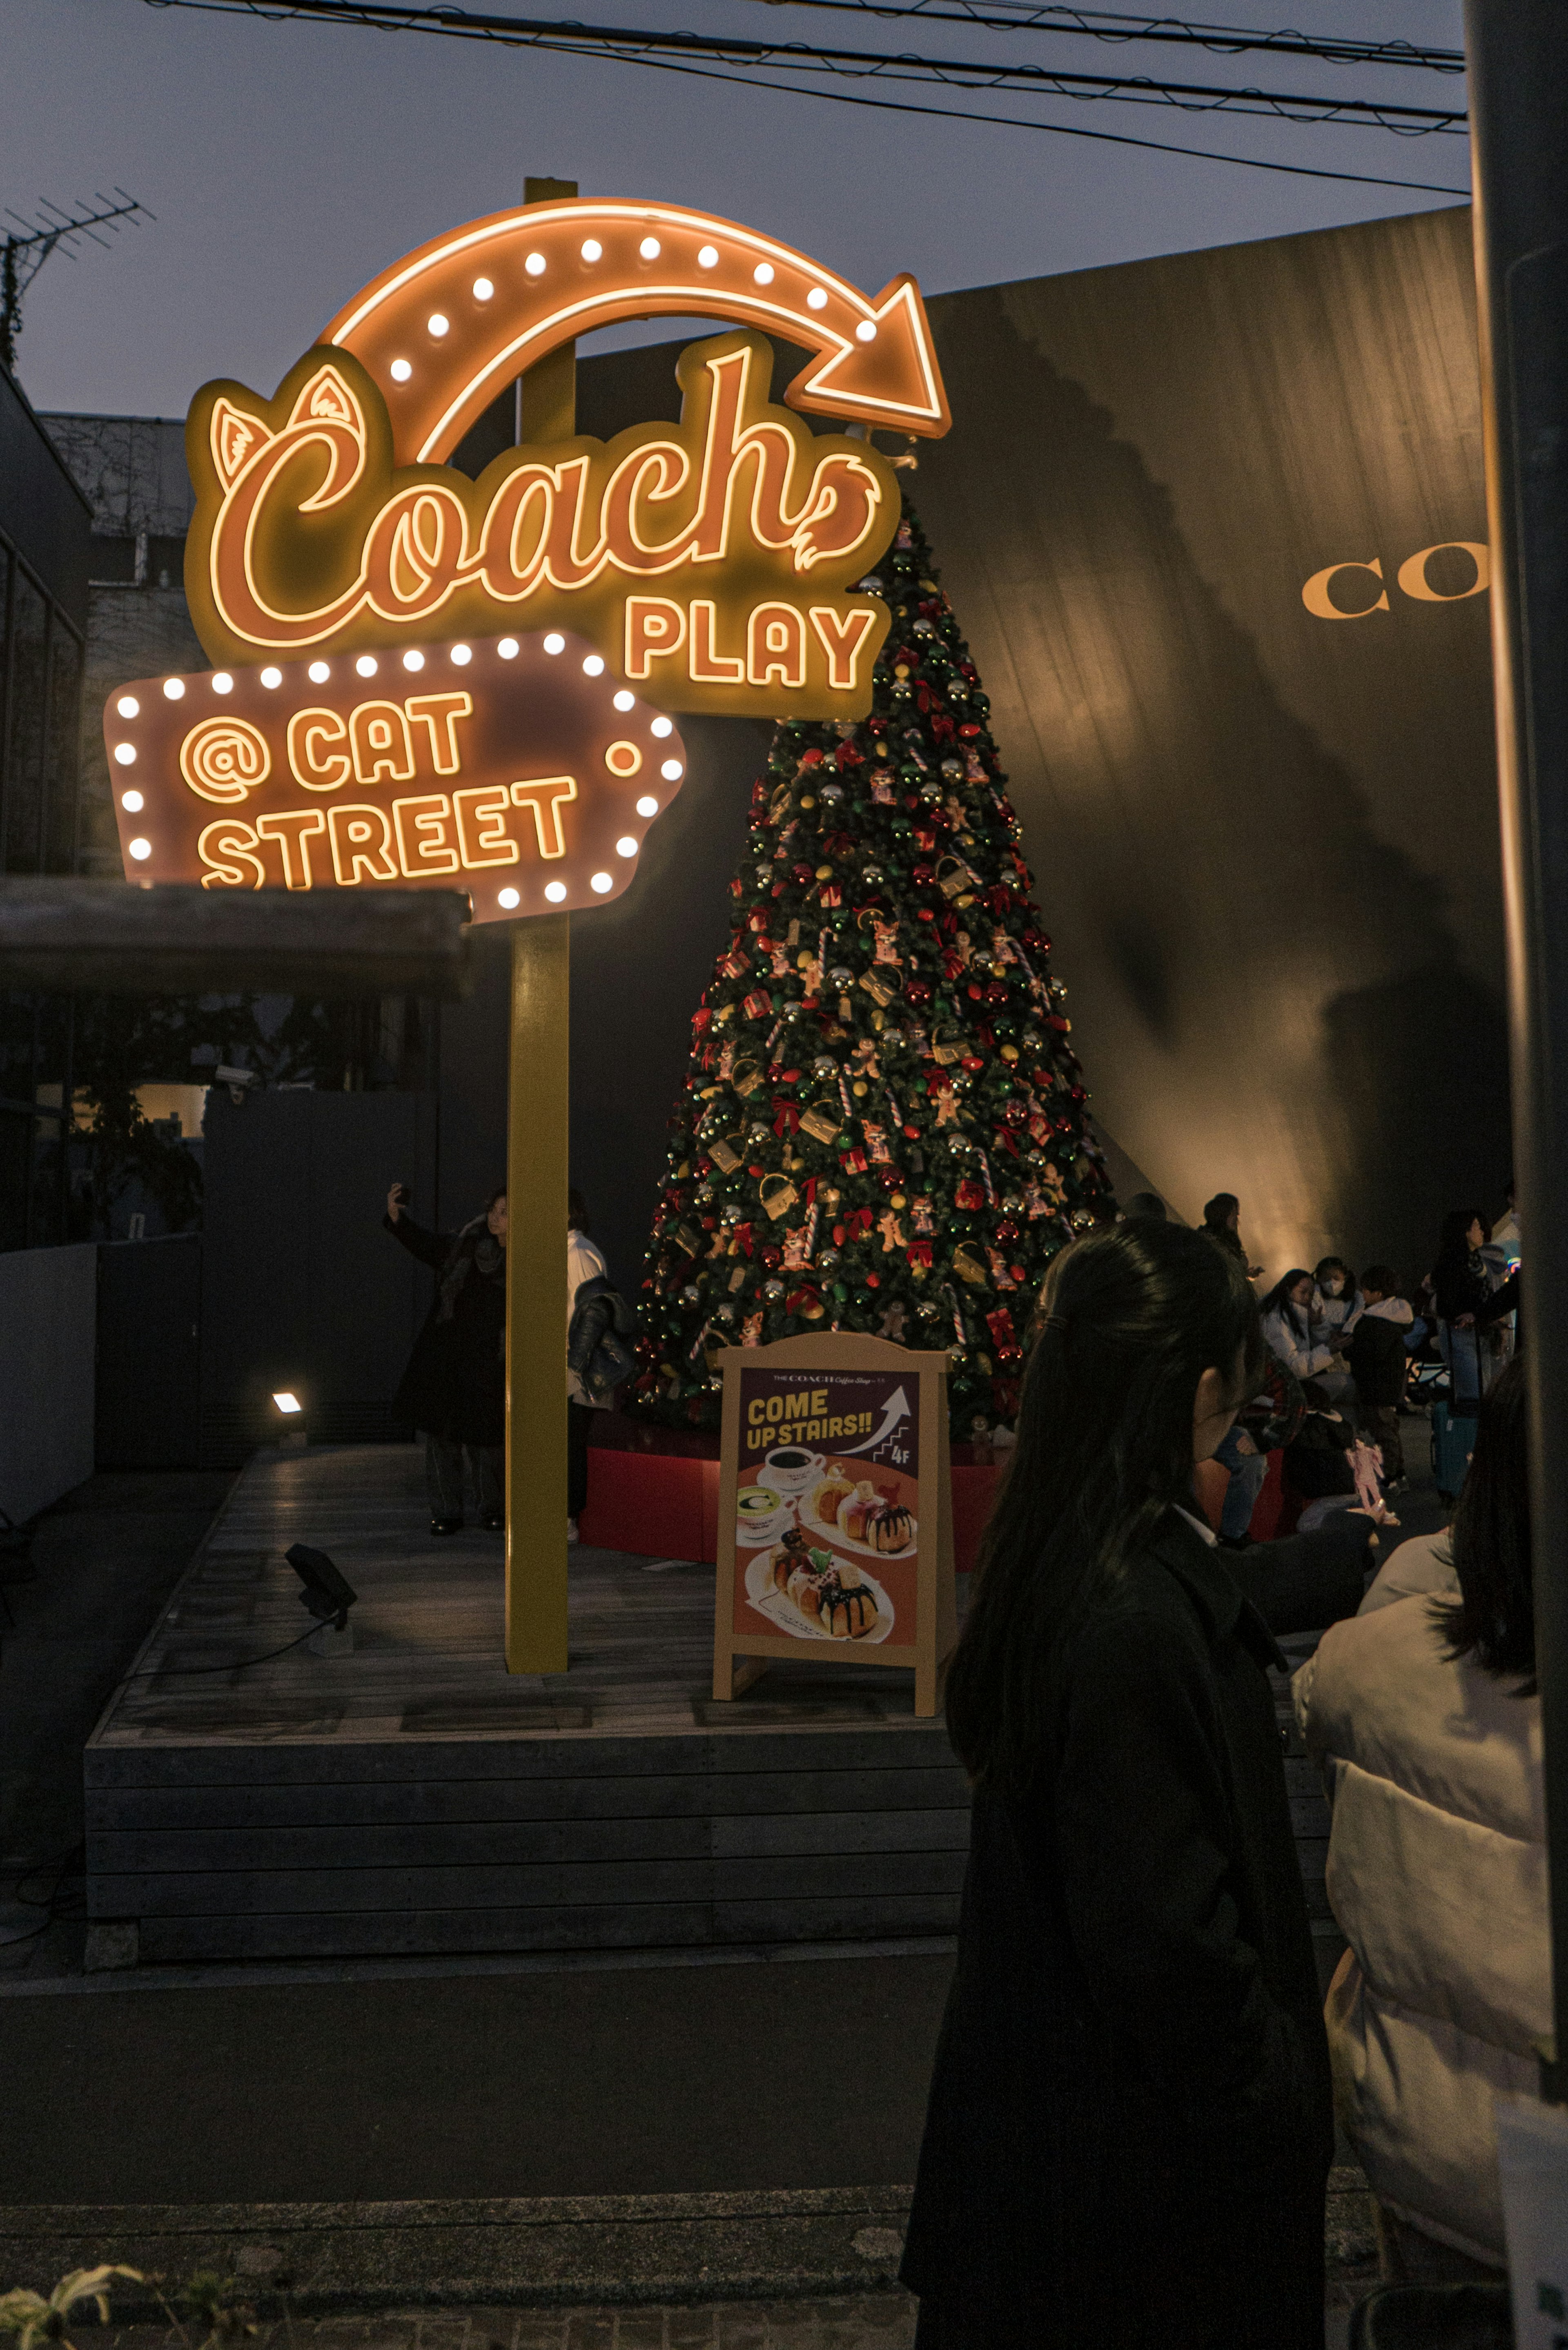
{"type": "Point", "coordinates": [936, 1603]}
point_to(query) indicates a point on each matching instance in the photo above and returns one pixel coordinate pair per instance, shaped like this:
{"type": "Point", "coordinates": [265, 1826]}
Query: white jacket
{"type": "Point", "coordinates": [1437, 1872]}
{"type": "Point", "coordinates": [1305, 1356]}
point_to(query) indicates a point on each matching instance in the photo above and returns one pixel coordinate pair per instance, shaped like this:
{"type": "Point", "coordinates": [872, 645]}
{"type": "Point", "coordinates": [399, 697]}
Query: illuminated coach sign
{"type": "Point", "coordinates": [421, 677]}
{"type": "Point", "coordinates": [708, 559]}
{"type": "Point", "coordinates": [713, 560]}
{"type": "Point", "coordinates": [515, 768]}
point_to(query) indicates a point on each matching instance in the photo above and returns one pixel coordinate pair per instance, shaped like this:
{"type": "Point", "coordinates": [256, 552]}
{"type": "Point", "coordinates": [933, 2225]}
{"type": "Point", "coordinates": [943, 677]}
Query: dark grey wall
{"type": "Point", "coordinates": [300, 1286]}
{"type": "Point", "coordinates": [42, 511]}
{"type": "Point", "coordinates": [1266, 842]}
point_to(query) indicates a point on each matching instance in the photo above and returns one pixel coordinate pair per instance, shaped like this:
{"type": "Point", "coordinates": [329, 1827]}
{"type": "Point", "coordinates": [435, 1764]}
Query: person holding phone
{"type": "Point", "coordinates": [454, 1388]}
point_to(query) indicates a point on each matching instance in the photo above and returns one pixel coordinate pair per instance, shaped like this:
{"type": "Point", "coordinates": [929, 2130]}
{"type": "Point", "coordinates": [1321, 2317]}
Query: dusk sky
{"type": "Point", "coordinates": [288, 163]}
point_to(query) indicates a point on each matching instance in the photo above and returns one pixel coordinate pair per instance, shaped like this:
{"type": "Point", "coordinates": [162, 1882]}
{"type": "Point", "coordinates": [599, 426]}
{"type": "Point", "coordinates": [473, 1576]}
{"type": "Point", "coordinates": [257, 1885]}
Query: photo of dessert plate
{"type": "Point", "coordinates": [818, 1529]}
{"type": "Point", "coordinates": [781, 1611]}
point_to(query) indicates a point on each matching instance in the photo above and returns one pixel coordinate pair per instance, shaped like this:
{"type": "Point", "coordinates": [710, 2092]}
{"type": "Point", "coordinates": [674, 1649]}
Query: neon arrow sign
{"type": "Point", "coordinates": [444, 331]}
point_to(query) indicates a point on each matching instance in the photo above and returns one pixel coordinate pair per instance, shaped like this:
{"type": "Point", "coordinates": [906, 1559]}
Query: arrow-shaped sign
{"type": "Point", "coordinates": [896, 1408]}
{"type": "Point", "coordinates": [446, 329]}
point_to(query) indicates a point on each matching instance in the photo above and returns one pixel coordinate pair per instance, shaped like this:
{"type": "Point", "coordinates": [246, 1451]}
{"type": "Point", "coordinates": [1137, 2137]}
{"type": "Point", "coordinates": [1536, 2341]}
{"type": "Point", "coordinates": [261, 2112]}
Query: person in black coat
{"type": "Point", "coordinates": [1129, 2128]}
{"type": "Point", "coordinates": [454, 1388]}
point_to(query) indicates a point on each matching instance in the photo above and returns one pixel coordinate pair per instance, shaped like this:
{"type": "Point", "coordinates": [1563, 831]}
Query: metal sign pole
{"type": "Point", "coordinates": [537, 1167]}
{"type": "Point", "coordinates": [1518, 52]}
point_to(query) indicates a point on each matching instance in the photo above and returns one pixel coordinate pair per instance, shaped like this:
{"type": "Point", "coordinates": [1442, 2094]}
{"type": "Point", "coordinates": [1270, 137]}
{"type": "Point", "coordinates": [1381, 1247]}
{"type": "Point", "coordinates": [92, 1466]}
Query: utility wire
{"type": "Point", "coordinates": [1106, 24]}
{"type": "Point", "coordinates": [460, 24]}
{"type": "Point", "coordinates": [796, 56]}
{"type": "Point", "coordinates": [1002, 121]}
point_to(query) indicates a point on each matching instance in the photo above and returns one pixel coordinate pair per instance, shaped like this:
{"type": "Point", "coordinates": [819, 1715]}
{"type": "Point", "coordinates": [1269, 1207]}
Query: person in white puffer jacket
{"type": "Point", "coordinates": [1422, 1710]}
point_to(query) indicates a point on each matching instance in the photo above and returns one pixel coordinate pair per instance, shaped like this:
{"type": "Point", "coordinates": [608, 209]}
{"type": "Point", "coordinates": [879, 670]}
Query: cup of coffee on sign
{"type": "Point", "coordinates": [761, 1515]}
{"type": "Point", "coordinates": [791, 1469]}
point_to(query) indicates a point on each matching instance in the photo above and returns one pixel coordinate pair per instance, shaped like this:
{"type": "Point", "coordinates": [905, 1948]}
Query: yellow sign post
{"type": "Point", "coordinates": [538, 1112]}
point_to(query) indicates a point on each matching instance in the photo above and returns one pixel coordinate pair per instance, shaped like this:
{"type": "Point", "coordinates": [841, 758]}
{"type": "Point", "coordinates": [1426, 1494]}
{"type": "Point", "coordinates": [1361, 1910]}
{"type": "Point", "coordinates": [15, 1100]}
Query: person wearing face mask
{"type": "Point", "coordinates": [1336, 1302]}
{"type": "Point", "coordinates": [454, 1388]}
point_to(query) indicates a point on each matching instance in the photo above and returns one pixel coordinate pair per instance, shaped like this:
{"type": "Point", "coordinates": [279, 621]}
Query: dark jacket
{"type": "Point", "coordinates": [455, 1384]}
{"type": "Point", "coordinates": [1378, 1361]}
{"type": "Point", "coordinates": [1130, 2128]}
{"type": "Point", "coordinates": [1460, 1285]}
{"type": "Point", "coordinates": [1317, 1459]}
{"type": "Point", "coordinates": [598, 1337]}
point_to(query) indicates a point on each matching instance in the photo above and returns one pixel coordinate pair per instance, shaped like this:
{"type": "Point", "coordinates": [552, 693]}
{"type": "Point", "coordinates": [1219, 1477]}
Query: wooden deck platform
{"type": "Point", "coordinates": [412, 1797]}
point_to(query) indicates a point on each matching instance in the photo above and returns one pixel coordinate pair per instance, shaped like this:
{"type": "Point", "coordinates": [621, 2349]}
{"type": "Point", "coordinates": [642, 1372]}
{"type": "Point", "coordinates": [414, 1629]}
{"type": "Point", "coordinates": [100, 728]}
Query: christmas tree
{"type": "Point", "coordinates": [883, 1123]}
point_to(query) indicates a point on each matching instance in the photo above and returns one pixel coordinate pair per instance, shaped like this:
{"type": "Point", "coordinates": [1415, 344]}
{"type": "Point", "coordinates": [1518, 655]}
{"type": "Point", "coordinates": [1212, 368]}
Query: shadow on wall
{"type": "Point", "coordinates": [1272, 997]}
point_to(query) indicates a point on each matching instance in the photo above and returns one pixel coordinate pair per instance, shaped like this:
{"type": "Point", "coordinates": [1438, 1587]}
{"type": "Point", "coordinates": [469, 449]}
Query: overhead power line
{"type": "Point", "coordinates": [953, 73]}
{"type": "Point", "coordinates": [633, 48]}
{"type": "Point", "coordinates": [1106, 24]}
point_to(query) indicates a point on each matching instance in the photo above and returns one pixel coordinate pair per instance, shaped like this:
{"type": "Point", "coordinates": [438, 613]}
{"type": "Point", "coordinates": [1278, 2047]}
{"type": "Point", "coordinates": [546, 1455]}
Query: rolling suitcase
{"type": "Point", "coordinates": [1453, 1442]}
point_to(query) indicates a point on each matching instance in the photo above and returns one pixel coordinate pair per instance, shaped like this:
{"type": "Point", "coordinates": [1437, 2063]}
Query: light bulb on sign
{"type": "Point", "coordinates": [626, 845]}
{"type": "Point", "coordinates": [650, 248]}
{"type": "Point", "coordinates": [319, 673]}
{"type": "Point", "coordinates": [222, 682]}
{"type": "Point", "coordinates": [400, 370]}
{"type": "Point", "coordinates": [272, 677]}
{"type": "Point", "coordinates": [648, 805]}
{"type": "Point", "coordinates": [764, 273]}
{"type": "Point", "coordinates": [672, 771]}
{"type": "Point", "coordinates": [125, 753]}
{"type": "Point", "coordinates": [709, 257]}
{"type": "Point", "coordinates": [592, 249]}
{"type": "Point", "coordinates": [554, 892]}
{"type": "Point", "coordinates": [866, 331]}
{"type": "Point", "coordinates": [175, 689]}
{"type": "Point", "coordinates": [128, 706]}
{"type": "Point", "coordinates": [601, 882]}
{"type": "Point", "coordinates": [594, 666]}
{"type": "Point", "coordinates": [508, 898]}
{"type": "Point", "coordinates": [367, 665]}
{"type": "Point", "coordinates": [554, 644]}
{"type": "Point", "coordinates": [534, 264]}
{"type": "Point", "coordinates": [483, 289]}
{"type": "Point", "coordinates": [131, 803]}
{"type": "Point", "coordinates": [661, 726]}
{"type": "Point", "coordinates": [413, 661]}
{"type": "Point", "coordinates": [625, 700]}
{"type": "Point", "coordinates": [439, 323]}
{"type": "Point", "coordinates": [509, 649]}
{"type": "Point", "coordinates": [462, 655]}
{"type": "Point", "coordinates": [143, 848]}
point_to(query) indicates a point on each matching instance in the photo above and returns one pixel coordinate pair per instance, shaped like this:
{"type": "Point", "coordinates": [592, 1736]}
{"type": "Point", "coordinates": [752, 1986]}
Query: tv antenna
{"type": "Point", "coordinates": [24, 248]}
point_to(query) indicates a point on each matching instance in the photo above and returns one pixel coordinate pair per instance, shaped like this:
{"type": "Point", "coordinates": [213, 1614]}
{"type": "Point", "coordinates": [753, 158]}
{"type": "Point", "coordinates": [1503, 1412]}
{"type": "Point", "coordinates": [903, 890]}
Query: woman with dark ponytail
{"type": "Point", "coordinates": [1129, 2129]}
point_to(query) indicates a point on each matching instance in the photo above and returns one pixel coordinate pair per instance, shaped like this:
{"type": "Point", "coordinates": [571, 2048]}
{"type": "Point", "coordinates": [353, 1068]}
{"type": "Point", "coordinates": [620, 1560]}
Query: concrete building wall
{"type": "Point", "coordinates": [48, 1312]}
{"type": "Point", "coordinates": [132, 472]}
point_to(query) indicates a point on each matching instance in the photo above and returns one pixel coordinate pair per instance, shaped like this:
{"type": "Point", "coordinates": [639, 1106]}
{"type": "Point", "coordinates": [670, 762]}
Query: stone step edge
{"type": "Point", "coordinates": [332, 2259]}
{"type": "Point", "coordinates": [547, 2251]}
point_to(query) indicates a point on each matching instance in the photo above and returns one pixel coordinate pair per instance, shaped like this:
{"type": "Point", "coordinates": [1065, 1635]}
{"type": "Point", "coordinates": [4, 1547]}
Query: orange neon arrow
{"type": "Point", "coordinates": [446, 329]}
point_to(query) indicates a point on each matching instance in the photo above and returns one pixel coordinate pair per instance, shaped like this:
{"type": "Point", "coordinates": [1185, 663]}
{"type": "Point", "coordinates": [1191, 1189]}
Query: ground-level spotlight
{"type": "Point", "coordinates": [328, 1595]}
{"type": "Point", "coordinates": [290, 1411]}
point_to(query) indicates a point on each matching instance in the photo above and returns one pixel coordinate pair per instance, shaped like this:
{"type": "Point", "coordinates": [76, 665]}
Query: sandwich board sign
{"type": "Point", "coordinates": [835, 1510]}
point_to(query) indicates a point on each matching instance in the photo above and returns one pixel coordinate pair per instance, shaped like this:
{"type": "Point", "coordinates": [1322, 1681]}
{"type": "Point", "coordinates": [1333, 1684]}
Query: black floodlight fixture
{"type": "Point", "coordinates": [326, 1594]}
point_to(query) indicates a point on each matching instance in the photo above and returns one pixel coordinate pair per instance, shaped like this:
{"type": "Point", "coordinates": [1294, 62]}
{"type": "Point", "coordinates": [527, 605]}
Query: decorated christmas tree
{"type": "Point", "coordinates": [883, 1123]}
